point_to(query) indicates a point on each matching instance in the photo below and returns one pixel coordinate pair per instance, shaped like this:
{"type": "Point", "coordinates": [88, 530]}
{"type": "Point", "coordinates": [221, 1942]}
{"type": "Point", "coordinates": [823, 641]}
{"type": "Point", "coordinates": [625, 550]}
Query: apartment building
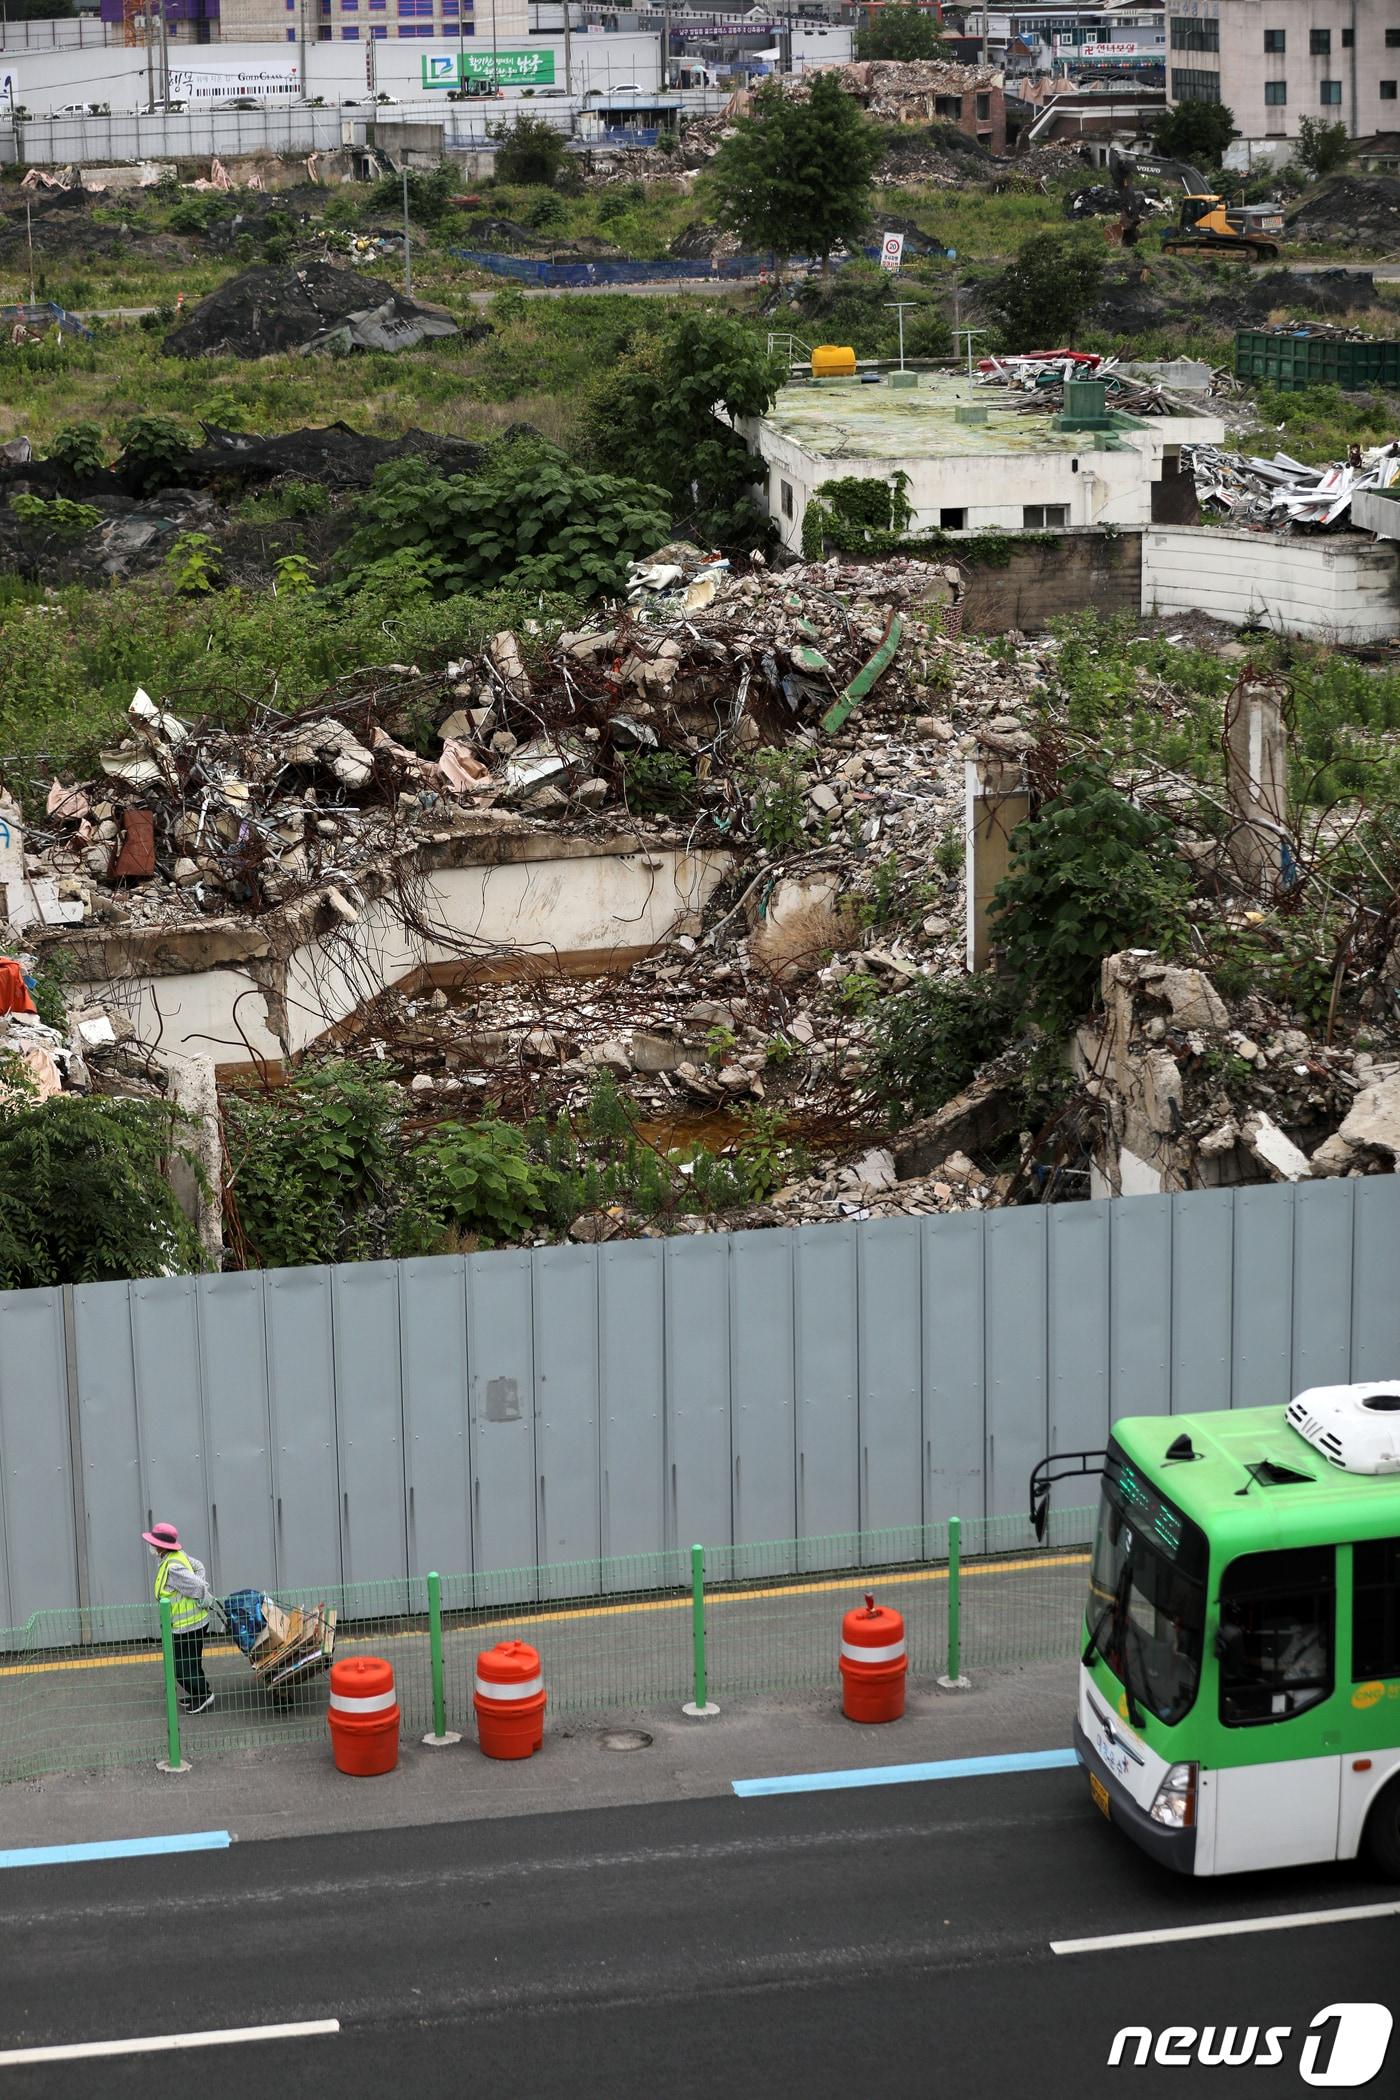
{"type": "Point", "coordinates": [1274, 62]}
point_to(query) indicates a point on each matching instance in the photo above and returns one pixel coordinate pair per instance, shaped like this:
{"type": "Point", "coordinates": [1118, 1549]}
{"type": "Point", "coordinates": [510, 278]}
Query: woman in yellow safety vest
{"type": "Point", "coordinates": [184, 1582]}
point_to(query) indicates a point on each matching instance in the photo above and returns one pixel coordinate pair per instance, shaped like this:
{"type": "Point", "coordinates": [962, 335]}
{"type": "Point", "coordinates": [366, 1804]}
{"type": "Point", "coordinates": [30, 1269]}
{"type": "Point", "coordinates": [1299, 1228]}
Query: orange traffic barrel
{"type": "Point", "coordinates": [874, 1663]}
{"type": "Point", "coordinates": [363, 1716]}
{"type": "Point", "coordinates": [509, 1697]}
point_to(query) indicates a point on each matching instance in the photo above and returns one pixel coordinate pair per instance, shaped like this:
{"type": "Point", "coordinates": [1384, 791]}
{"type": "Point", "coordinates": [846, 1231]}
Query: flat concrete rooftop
{"type": "Point", "coordinates": [836, 417]}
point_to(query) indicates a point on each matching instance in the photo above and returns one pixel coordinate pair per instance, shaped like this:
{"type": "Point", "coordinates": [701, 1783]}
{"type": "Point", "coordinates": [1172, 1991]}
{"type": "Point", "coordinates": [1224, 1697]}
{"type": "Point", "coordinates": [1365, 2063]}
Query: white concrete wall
{"type": "Point", "coordinates": [1328, 589]}
{"type": "Point", "coordinates": [993, 490]}
{"type": "Point", "coordinates": [604, 907]}
{"type": "Point", "coordinates": [45, 80]}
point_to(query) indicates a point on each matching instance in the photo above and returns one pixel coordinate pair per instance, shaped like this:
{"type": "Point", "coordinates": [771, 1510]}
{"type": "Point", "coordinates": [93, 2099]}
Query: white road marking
{"type": "Point", "coordinates": [150, 2044]}
{"type": "Point", "coordinates": [1226, 1928]}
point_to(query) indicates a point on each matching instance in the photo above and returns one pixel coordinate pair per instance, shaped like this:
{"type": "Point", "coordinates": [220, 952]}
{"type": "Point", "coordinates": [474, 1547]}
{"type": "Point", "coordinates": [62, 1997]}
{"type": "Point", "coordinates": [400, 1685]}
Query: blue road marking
{"type": "Point", "coordinates": [115, 1848]}
{"type": "Point", "coordinates": [907, 1775]}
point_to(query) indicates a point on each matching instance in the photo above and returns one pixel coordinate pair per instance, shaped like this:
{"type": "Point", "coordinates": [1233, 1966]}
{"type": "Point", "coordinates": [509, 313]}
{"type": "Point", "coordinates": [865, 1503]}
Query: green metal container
{"type": "Point", "coordinates": [1300, 359]}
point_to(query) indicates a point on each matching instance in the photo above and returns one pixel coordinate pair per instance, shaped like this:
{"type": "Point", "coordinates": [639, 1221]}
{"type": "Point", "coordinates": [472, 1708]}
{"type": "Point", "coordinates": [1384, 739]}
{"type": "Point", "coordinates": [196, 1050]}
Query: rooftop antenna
{"type": "Point", "coordinates": [897, 306]}
{"type": "Point", "coordinates": [969, 333]}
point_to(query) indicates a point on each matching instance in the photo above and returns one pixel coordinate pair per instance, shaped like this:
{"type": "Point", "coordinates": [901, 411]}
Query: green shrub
{"type": "Point", "coordinates": [472, 1181]}
{"type": "Point", "coordinates": [532, 517]}
{"type": "Point", "coordinates": [56, 520]}
{"type": "Point", "coordinates": [658, 783]}
{"type": "Point", "coordinates": [154, 450]}
{"type": "Point", "coordinates": [83, 1194]}
{"type": "Point", "coordinates": [1091, 874]}
{"type": "Point", "coordinates": [531, 152]}
{"type": "Point", "coordinates": [79, 448]}
{"type": "Point", "coordinates": [312, 1172]}
{"type": "Point", "coordinates": [774, 781]}
{"type": "Point", "coordinates": [932, 1038]}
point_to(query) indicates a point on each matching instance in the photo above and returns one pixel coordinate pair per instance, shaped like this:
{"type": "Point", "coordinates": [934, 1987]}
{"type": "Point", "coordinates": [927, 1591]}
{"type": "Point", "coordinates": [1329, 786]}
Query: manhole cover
{"type": "Point", "coordinates": [625, 1739]}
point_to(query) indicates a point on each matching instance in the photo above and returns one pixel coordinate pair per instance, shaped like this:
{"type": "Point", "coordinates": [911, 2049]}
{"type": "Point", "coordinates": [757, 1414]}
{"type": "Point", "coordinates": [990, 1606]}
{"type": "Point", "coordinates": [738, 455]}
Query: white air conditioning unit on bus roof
{"type": "Point", "coordinates": [1355, 1427]}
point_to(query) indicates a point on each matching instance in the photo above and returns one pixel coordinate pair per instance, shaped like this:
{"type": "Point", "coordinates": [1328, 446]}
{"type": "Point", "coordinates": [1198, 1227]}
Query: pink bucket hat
{"type": "Point", "coordinates": [164, 1537]}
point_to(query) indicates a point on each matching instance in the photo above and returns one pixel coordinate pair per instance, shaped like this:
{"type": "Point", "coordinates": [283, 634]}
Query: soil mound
{"type": "Point", "coordinates": [308, 306]}
{"type": "Point", "coordinates": [1351, 211]}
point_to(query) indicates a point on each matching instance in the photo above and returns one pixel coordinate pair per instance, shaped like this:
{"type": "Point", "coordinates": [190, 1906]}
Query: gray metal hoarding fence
{"type": "Point", "coordinates": [540, 1408]}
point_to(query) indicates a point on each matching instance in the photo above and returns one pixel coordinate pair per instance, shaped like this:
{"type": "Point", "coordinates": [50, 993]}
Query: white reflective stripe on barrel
{"type": "Point", "coordinates": [872, 1655]}
{"type": "Point", "coordinates": [526, 1689]}
{"type": "Point", "coordinates": [372, 1703]}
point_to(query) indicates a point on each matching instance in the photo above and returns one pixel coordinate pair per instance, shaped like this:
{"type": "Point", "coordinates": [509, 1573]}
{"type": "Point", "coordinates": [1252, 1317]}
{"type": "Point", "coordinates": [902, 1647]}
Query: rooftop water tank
{"type": "Point", "coordinates": [833, 361]}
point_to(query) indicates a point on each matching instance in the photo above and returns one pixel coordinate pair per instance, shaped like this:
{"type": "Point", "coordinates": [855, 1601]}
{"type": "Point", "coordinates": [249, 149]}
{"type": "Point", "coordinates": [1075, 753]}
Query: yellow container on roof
{"type": "Point", "coordinates": [833, 361]}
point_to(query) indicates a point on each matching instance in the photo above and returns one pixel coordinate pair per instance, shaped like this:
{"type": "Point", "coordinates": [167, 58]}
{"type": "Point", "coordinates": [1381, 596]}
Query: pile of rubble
{"type": "Point", "coordinates": [906, 91]}
{"type": "Point", "coordinates": [1194, 1096]}
{"type": "Point", "coordinates": [1283, 495]}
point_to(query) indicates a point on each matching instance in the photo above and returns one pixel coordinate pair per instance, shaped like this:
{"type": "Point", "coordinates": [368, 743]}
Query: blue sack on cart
{"type": "Point", "coordinates": [244, 1613]}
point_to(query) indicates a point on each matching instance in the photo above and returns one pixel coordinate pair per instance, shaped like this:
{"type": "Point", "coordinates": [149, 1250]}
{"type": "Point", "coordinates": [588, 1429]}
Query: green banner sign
{"type": "Point", "coordinates": [507, 68]}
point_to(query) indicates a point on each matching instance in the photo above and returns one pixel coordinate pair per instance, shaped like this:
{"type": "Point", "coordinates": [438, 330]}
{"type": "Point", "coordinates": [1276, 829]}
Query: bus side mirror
{"type": "Point", "coordinates": [1040, 1509]}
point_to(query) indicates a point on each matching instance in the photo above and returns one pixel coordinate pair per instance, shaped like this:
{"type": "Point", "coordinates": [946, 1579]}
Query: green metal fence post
{"type": "Point", "coordinates": [172, 1760]}
{"type": "Point", "coordinates": [701, 1705]}
{"type": "Point", "coordinates": [954, 1681]}
{"type": "Point", "coordinates": [441, 1735]}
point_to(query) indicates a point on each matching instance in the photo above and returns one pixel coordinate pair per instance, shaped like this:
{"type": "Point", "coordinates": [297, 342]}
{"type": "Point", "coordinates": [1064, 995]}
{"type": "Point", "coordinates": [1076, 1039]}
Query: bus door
{"type": "Point", "coordinates": [1276, 1774]}
{"type": "Point", "coordinates": [1373, 1734]}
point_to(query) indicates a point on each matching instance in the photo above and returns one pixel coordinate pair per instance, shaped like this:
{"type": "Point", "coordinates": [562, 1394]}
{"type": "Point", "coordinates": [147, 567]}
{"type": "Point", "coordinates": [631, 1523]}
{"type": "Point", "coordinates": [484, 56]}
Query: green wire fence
{"type": "Point", "coordinates": [80, 1690]}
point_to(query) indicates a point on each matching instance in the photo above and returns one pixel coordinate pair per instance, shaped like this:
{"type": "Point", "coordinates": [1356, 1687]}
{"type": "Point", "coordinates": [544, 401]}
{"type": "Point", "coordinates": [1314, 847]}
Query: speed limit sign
{"type": "Point", "coordinates": [892, 253]}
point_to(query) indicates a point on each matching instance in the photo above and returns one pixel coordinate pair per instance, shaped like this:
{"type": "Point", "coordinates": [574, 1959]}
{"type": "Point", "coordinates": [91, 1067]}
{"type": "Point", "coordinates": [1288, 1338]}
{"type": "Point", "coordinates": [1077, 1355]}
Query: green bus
{"type": "Point", "coordinates": [1239, 1686]}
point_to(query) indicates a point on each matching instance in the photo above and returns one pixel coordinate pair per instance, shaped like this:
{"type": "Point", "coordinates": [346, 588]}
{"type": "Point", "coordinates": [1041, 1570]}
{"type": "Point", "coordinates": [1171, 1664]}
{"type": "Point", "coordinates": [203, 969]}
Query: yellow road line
{"type": "Point", "coordinates": [529, 1617]}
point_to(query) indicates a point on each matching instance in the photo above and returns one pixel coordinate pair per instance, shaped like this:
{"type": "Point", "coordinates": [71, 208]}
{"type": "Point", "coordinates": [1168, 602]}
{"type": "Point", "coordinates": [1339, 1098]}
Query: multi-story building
{"type": "Point", "coordinates": [1274, 62]}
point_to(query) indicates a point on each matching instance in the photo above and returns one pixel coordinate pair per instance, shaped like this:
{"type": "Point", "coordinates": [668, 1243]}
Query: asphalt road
{"type": "Point", "coordinates": [895, 1940]}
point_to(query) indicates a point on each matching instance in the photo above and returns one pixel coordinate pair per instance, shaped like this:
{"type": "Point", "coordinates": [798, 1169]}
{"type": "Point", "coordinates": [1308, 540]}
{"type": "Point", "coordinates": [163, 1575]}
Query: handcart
{"type": "Point", "coordinates": [284, 1647]}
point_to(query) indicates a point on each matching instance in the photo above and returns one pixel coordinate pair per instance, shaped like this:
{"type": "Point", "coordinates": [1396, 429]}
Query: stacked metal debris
{"type": "Point", "coordinates": [1282, 494]}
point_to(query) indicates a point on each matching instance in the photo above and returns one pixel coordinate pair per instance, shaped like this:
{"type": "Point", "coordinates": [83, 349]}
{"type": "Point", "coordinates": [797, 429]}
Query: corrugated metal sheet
{"type": "Point", "coordinates": [544, 1407]}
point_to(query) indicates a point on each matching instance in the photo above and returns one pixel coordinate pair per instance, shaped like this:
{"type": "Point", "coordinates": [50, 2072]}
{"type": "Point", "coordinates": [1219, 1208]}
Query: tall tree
{"type": "Point", "coordinates": [653, 416]}
{"type": "Point", "coordinates": [1198, 131]}
{"type": "Point", "coordinates": [795, 176]}
{"type": "Point", "coordinates": [899, 32]}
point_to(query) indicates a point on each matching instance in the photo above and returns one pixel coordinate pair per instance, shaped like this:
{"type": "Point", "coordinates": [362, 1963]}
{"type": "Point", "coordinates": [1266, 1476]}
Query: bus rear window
{"type": "Point", "coordinates": [1277, 1618]}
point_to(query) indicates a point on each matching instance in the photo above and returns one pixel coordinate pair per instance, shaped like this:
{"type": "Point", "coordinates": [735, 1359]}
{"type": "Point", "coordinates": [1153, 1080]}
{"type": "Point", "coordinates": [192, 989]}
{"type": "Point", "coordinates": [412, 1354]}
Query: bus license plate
{"type": "Point", "coordinates": [1099, 1792]}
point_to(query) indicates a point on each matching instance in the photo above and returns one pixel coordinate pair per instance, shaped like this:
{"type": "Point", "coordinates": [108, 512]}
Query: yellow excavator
{"type": "Point", "coordinates": [1206, 226]}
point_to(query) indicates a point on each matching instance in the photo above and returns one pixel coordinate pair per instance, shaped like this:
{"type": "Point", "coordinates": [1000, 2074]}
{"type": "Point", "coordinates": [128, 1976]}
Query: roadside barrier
{"type": "Point", "coordinates": [874, 1663]}
{"type": "Point", "coordinates": [698, 1628]}
{"type": "Point", "coordinates": [363, 1717]}
{"type": "Point", "coordinates": [509, 1700]}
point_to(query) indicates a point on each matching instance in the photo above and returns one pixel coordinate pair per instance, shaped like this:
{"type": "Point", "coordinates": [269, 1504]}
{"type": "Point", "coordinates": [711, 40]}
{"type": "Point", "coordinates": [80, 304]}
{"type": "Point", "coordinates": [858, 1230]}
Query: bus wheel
{"type": "Point", "coordinates": [1381, 1843]}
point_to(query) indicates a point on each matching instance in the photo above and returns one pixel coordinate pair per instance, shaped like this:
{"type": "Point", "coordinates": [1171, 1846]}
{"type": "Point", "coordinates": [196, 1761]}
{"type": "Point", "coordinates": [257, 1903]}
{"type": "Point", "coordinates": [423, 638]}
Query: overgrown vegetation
{"type": "Point", "coordinates": [83, 1193]}
{"type": "Point", "coordinates": [1046, 293]}
{"type": "Point", "coordinates": [319, 1171]}
{"type": "Point", "coordinates": [532, 518]}
{"type": "Point", "coordinates": [928, 1043]}
{"type": "Point", "coordinates": [652, 417]}
{"type": "Point", "coordinates": [1093, 873]}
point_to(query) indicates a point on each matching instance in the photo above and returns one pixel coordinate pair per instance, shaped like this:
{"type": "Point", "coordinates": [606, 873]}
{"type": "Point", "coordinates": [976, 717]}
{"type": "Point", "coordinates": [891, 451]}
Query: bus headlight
{"type": "Point", "coordinates": [1175, 1804]}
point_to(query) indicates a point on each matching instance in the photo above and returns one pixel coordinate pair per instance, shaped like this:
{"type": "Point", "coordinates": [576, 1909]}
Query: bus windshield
{"type": "Point", "coordinates": [1147, 1592]}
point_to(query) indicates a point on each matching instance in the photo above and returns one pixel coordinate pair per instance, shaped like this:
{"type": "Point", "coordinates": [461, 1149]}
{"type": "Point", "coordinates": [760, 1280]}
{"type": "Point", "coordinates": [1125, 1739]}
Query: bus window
{"type": "Point", "coordinates": [1146, 1593]}
{"type": "Point", "coordinates": [1375, 1610]}
{"type": "Point", "coordinates": [1275, 1644]}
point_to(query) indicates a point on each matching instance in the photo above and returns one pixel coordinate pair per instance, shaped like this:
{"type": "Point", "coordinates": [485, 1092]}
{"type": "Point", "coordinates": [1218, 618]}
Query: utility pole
{"type": "Point", "coordinates": [150, 57]}
{"type": "Point", "coordinates": [986, 29]}
{"type": "Point", "coordinates": [665, 43]}
{"type": "Point", "coordinates": [407, 240]}
{"type": "Point", "coordinates": [495, 60]}
{"type": "Point", "coordinates": [568, 51]}
{"type": "Point", "coordinates": [301, 47]}
{"type": "Point", "coordinates": [164, 58]}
